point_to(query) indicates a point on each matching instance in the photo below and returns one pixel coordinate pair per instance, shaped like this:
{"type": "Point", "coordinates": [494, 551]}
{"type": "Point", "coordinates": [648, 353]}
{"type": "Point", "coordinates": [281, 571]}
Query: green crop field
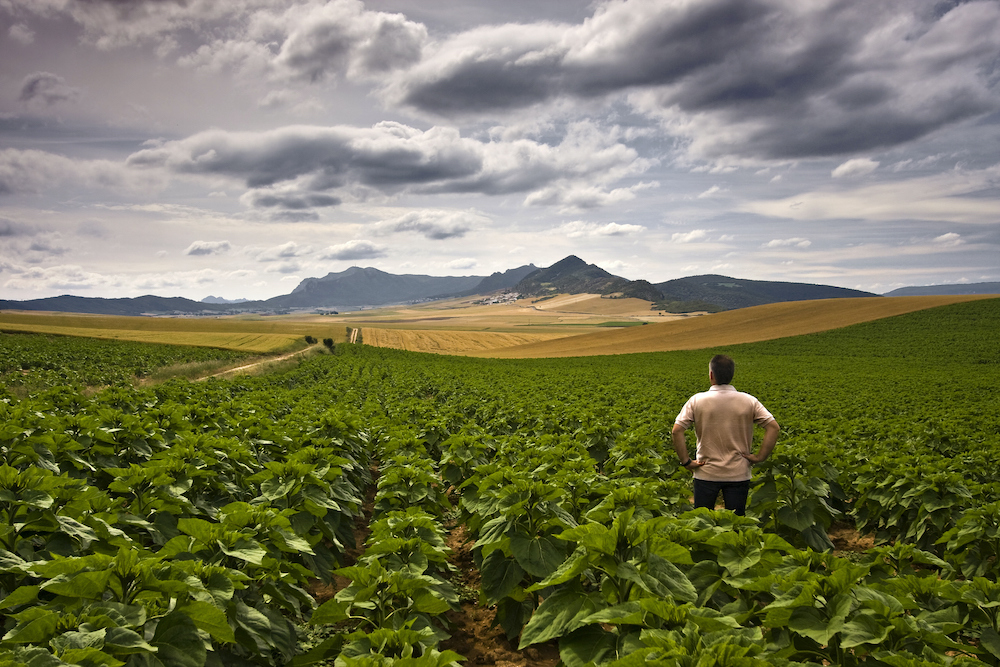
{"type": "Point", "coordinates": [302, 517]}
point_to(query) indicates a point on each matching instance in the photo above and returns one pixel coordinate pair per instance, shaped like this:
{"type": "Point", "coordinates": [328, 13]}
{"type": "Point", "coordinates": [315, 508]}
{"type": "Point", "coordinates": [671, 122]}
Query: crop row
{"type": "Point", "coordinates": [38, 361]}
{"type": "Point", "coordinates": [186, 523]}
{"type": "Point", "coordinates": [170, 531]}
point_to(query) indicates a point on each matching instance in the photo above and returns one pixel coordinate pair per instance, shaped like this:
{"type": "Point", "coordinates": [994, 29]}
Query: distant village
{"type": "Point", "coordinates": [505, 297]}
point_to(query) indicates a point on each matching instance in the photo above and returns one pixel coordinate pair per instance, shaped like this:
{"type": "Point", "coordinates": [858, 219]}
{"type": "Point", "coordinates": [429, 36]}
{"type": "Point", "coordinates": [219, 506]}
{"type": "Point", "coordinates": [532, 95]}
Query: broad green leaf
{"type": "Point", "coordinates": [588, 645]}
{"type": "Point", "coordinates": [331, 611]}
{"type": "Point", "coordinates": [593, 536]}
{"type": "Point", "coordinates": [79, 640]}
{"type": "Point", "coordinates": [92, 657]}
{"type": "Point", "coordinates": [539, 557]}
{"type": "Point", "coordinates": [126, 641]}
{"type": "Point", "coordinates": [672, 578]}
{"type": "Point", "coordinates": [558, 615]}
{"type": "Point", "coordinates": [245, 550]}
{"type": "Point", "coordinates": [810, 621]}
{"type": "Point", "coordinates": [329, 648]}
{"type": "Point", "coordinates": [499, 576]}
{"type": "Point", "coordinates": [798, 517]}
{"type": "Point", "coordinates": [210, 619]}
{"type": "Point", "coordinates": [21, 595]}
{"type": "Point", "coordinates": [817, 539]}
{"type": "Point", "coordinates": [38, 630]}
{"type": "Point", "coordinates": [72, 527]}
{"type": "Point", "coordinates": [428, 603]}
{"type": "Point", "coordinates": [177, 641]}
{"type": "Point", "coordinates": [991, 641]}
{"type": "Point", "coordinates": [864, 629]}
{"type": "Point", "coordinates": [571, 568]}
{"type": "Point", "coordinates": [626, 613]}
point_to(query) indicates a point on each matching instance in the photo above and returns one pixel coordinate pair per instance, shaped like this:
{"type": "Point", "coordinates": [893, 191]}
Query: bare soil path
{"type": "Point", "coordinates": [257, 364]}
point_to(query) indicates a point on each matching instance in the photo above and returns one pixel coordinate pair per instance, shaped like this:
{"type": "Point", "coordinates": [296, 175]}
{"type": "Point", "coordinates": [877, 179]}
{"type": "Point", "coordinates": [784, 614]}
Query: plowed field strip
{"type": "Point", "coordinates": [449, 342]}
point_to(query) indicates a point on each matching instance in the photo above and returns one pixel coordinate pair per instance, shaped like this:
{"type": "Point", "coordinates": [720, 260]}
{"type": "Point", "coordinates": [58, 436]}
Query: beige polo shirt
{"type": "Point", "coordinates": [723, 420]}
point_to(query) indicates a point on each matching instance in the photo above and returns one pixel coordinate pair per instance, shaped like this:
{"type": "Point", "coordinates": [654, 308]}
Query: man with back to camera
{"type": "Point", "coordinates": [723, 420]}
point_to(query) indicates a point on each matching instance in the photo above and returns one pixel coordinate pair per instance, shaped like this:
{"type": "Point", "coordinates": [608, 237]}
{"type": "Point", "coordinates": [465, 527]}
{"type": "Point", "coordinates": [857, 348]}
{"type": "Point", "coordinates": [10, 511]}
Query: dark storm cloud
{"type": "Point", "coordinates": [388, 155]}
{"type": "Point", "coordinates": [292, 201]}
{"type": "Point", "coordinates": [389, 158]}
{"type": "Point", "coordinates": [433, 225]}
{"type": "Point", "coordinates": [208, 248]}
{"type": "Point", "coordinates": [47, 88]}
{"type": "Point", "coordinates": [10, 229]}
{"type": "Point", "coordinates": [765, 78]}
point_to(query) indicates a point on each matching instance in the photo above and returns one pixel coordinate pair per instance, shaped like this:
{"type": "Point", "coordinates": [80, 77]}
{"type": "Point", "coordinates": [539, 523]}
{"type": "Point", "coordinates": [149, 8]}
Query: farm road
{"type": "Point", "coordinates": [269, 360]}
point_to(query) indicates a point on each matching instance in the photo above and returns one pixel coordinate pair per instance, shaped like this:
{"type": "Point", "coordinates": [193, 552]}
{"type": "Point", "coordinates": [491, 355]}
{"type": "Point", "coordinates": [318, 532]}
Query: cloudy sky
{"type": "Point", "coordinates": [196, 147]}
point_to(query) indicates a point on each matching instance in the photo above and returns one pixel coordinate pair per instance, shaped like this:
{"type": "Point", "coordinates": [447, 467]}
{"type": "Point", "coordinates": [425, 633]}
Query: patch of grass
{"type": "Point", "coordinates": [630, 323]}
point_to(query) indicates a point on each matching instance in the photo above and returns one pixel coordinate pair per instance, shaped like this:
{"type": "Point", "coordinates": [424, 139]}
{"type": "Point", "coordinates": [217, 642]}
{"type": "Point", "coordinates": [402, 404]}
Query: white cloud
{"type": "Point", "coordinates": [950, 239]}
{"type": "Point", "coordinates": [21, 33]}
{"type": "Point", "coordinates": [711, 192]}
{"type": "Point", "coordinates": [356, 249]}
{"type": "Point", "coordinates": [689, 237]}
{"type": "Point", "coordinates": [391, 158]}
{"type": "Point", "coordinates": [461, 264]}
{"type": "Point", "coordinates": [434, 224]}
{"type": "Point", "coordinates": [580, 229]}
{"type": "Point", "coordinates": [208, 248]}
{"type": "Point", "coordinates": [284, 267]}
{"type": "Point", "coordinates": [945, 197]}
{"type": "Point", "coordinates": [854, 168]}
{"type": "Point", "coordinates": [66, 278]}
{"type": "Point", "coordinates": [796, 242]}
{"type": "Point", "coordinates": [282, 252]}
{"type": "Point", "coordinates": [34, 171]}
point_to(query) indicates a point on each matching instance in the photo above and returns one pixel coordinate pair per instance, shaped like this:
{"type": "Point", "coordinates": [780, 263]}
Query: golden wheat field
{"type": "Point", "coordinates": [260, 335]}
{"type": "Point", "coordinates": [564, 326]}
{"type": "Point", "coordinates": [450, 342]}
{"type": "Point", "coordinates": [746, 325]}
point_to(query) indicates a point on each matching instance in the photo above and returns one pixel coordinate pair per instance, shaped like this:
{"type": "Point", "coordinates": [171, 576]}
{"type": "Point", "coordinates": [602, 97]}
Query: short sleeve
{"type": "Point", "coordinates": [686, 416]}
{"type": "Point", "coordinates": [761, 415]}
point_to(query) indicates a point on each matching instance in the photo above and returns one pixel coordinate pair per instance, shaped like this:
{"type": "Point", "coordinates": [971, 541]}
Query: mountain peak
{"type": "Point", "coordinates": [570, 274]}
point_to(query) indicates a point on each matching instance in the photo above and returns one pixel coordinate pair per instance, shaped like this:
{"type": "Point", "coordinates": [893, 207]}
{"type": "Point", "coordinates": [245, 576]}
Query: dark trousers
{"type": "Point", "coordinates": [734, 494]}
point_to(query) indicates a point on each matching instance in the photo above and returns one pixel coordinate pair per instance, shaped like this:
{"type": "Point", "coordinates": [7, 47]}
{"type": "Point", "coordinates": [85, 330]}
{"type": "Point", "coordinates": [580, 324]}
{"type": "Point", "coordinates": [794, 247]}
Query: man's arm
{"type": "Point", "coordinates": [680, 445]}
{"type": "Point", "coordinates": [771, 430]}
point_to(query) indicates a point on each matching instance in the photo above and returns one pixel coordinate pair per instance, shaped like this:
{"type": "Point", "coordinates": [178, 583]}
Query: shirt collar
{"type": "Point", "coordinates": [722, 387]}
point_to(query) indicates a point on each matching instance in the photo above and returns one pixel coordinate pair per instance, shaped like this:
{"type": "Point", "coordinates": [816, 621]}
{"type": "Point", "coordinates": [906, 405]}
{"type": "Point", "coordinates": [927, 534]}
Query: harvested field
{"type": "Point", "coordinates": [245, 335]}
{"type": "Point", "coordinates": [450, 342]}
{"type": "Point", "coordinates": [746, 325]}
{"type": "Point", "coordinates": [565, 314]}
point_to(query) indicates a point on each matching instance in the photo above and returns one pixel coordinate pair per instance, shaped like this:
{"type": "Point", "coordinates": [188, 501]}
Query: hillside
{"type": "Point", "coordinates": [731, 293]}
{"type": "Point", "coordinates": [572, 275]}
{"type": "Point", "coordinates": [369, 287]}
{"type": "Point", "coordinates": [970, 288]}
{"type": "Point", "coordinates": [356, 287]}
{"type": "Point", "coordinates": [142, 305]}
{"type": "Point", "coordinates": [749, 325]}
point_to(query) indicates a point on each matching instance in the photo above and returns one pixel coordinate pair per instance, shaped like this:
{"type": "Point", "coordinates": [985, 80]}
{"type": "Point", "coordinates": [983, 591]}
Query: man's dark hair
{"type": "Point", "coordinates": [723, 368]}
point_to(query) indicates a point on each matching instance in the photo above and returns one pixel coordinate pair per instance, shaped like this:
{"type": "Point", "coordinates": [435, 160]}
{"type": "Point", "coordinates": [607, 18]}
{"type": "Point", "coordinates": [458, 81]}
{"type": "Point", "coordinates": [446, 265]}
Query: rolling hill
{"type": "Point", "coordinates": [968, 288]}
{"type": "Point", "coordinates": [747, 325]}
{"type": "Point", "coordinates": [357, 287]}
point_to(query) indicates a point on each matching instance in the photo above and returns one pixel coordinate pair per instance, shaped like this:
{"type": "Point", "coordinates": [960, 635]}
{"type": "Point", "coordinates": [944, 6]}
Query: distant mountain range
{"type": "Point", "coordinates": [947, 290]}
{"type": "Point", "coordinates": [357, 287]}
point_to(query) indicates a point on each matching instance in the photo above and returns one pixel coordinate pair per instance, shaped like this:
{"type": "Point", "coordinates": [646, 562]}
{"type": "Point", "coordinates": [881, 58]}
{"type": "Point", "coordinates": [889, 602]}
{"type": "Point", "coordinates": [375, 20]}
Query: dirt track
{"type": "Point", "coordinates": [256, 364]}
